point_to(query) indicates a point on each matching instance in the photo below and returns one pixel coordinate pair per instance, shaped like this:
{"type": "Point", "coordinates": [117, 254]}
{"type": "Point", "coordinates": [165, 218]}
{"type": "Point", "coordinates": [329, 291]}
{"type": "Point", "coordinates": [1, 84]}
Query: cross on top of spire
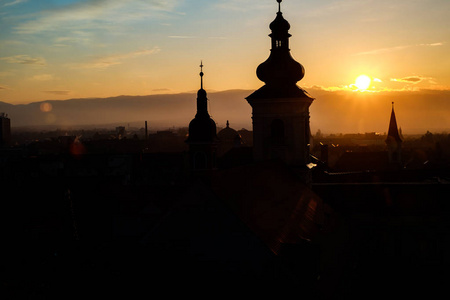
{"type": "Point", "coordinates": [201, 74]}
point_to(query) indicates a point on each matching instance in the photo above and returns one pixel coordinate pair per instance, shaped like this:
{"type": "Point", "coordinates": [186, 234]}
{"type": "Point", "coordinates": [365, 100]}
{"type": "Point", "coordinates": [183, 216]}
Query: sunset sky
{"type": "Point", "coordinates": [65, 49]}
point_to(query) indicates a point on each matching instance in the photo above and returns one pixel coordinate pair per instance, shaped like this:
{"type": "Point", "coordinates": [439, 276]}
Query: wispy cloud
{"type": "Point", "coordinates": [110, 60]}
{"type": "Point", "coordinates": [335, 7]}
{"type": "Point", "coordinates": [57, 92]}
{"type": "Point", "coordinates": [93, 14]}
{"type": "Point", "coordinates": [396, 48]}
{"type": "Point", "coordinates": [43, 77]}
{"type": "Point", "coordinates": [413, 79]}
{"type": "Point", "coordinates": [3, 88]}
{"type": "Point", "coordinates": [14, 2]}
{"type": "Point", "coordinates": [242, 5]}
{"type": "Point", "coordinates": [6, 73]}
{"type": "Point", "coordinates": [24, 60]}
{"type": "Point", "coordinates": [182, 37]}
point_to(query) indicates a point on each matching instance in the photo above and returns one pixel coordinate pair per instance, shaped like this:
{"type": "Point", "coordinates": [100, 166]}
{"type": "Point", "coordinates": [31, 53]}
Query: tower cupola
{"type": "Point", "coordinates": [280, 68]}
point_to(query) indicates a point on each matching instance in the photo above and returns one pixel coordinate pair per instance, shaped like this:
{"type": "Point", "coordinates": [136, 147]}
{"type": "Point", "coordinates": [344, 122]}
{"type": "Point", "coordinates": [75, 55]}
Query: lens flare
{"type": "Point", "coordinates": [46, 107]}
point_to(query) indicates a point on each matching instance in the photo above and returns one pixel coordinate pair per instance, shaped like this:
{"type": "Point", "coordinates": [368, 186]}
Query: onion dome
{"type": "Point", "coordinates": [202, 130]}
{"type": "Point", "coordinates": [228, 134]}
{"type": "Point", "coordinates": [279, 24]}
{"type": "Point", "coordinates": [280, 68]}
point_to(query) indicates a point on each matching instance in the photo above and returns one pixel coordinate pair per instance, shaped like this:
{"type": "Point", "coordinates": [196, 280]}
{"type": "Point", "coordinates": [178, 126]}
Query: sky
{"type": "Point", "coordinates": [62, 49]}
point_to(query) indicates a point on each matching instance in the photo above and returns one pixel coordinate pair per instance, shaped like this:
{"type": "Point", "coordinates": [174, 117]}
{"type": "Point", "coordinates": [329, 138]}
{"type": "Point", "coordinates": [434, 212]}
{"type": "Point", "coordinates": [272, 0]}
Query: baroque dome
{"type": "Point", "coordinates": [228, 133]}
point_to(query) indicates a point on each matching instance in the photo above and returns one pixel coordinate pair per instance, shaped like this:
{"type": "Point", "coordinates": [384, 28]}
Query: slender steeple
{"type": "Point", "coordinates": [202, 128]}
{"type": "Point", "coordinates": [202, 100]}
{"type": "Point", "coordinates": [202, 139]}
{"type": "Point", "coordinates": [393, 129]}
{"type": "Point", "coordinates": [393, 140]}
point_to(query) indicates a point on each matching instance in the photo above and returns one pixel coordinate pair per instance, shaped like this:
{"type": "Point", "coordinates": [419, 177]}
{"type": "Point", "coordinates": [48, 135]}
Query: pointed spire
{"type": "Point", "coordinates": [228, 124]}
{"type": "Point", "coordinates": [393, 129]}
{"type": "Point", "coordinates": [202, 100]}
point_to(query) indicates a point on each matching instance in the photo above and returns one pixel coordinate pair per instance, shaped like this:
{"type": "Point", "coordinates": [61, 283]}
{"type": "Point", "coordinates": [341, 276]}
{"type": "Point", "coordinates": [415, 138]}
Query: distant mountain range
{"type": "Point", "coordinates": [331, 112]}
{"type": "Point", "coordinates": [160, 111]}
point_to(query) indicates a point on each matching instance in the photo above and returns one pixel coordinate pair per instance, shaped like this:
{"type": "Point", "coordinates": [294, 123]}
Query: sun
{"type": "Point", "coordinates": [363, 82]}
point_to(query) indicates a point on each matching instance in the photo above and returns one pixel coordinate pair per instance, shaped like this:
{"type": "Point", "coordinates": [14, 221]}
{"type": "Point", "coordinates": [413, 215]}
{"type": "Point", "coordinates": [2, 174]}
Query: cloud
{"type": "Point", "coordinates": [396, 48]}
{"type": "Point", "coordinates": [381, 50]}
{"type": "Point", "coordinates": [43, 77]}
{"type": "Point", "coordinates": [413, 79]}
{"type": "Point", "coordinates": [195, 37]}
{"type": "Point", "coordinates": [57, 92]}
{"type": "Point", "coordinates": [94, 14]}
{"type": "Point", "coordinates": [3, 88]}
{"type": "Point", "coordinates": [24, 60]}
{"type": "Point", "coordinates": [182, 37]}
{"type": "Point", "coordinates": [6, 73]}
{"type": "Point", "coordinates": [14, 3]}
{"type": "Point", "coordinates": [110, 60]}
{"type": "Point", "coordinates": [431, 45]}
{"type": "Point", "coordinates": [242, 5]}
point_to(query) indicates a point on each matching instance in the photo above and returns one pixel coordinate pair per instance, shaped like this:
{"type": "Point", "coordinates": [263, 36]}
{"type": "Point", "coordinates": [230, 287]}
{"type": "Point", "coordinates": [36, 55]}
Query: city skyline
{"type": "Point", "coordinates": [65, 49]}
{"type": "Point", "coordinates": [143, 139]}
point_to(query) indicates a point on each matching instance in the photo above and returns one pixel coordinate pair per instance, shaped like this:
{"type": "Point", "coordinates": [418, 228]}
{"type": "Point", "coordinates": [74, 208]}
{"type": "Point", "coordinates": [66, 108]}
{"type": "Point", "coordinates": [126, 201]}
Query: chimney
{"type": "Point", "coordinates": [146, 132]}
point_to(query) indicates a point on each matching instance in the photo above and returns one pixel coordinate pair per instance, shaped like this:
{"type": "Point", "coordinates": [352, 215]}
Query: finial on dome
{"type": "Point", "coordinates": [279, 5]}
{"type": "Point", "coordinates": [228, 124]}
{"type": "Point", "coordinates": [201, 74]}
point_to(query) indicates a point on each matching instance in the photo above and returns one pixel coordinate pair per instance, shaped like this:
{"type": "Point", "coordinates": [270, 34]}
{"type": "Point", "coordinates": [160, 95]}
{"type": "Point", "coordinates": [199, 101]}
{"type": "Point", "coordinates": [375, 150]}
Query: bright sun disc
{"type": "Point", "coordinates": [362, 82]}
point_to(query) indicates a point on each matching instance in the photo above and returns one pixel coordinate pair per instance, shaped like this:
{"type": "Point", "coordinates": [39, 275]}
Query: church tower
{"type": "Point", "coordinates": [202, 138]}
{"type": "Point", "coordinates": [281, 108]}
{"type": "Point", "coordinates": [393, 140]}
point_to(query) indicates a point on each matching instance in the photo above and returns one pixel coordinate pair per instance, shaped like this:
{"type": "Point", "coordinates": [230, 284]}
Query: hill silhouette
{"type": "Point", "coordinates": [159, 110]}
{"type": "Point", "coordinates": [332, 111]}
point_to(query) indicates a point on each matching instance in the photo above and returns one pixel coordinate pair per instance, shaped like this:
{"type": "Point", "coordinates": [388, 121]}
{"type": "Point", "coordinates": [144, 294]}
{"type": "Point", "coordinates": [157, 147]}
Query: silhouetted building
{"type": "Point", "coordinates": [202, 138]}
{"type": "Point", "coordinates": [5, 130]}
{"type": "Point", "coordinates": [120, 131]}
{"type": "Point", "coordinates": [281, 108]}
{"type": "Point", "coordinates": [393, 140]}
{"type": "Point", "coordinates": [228, 139]}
